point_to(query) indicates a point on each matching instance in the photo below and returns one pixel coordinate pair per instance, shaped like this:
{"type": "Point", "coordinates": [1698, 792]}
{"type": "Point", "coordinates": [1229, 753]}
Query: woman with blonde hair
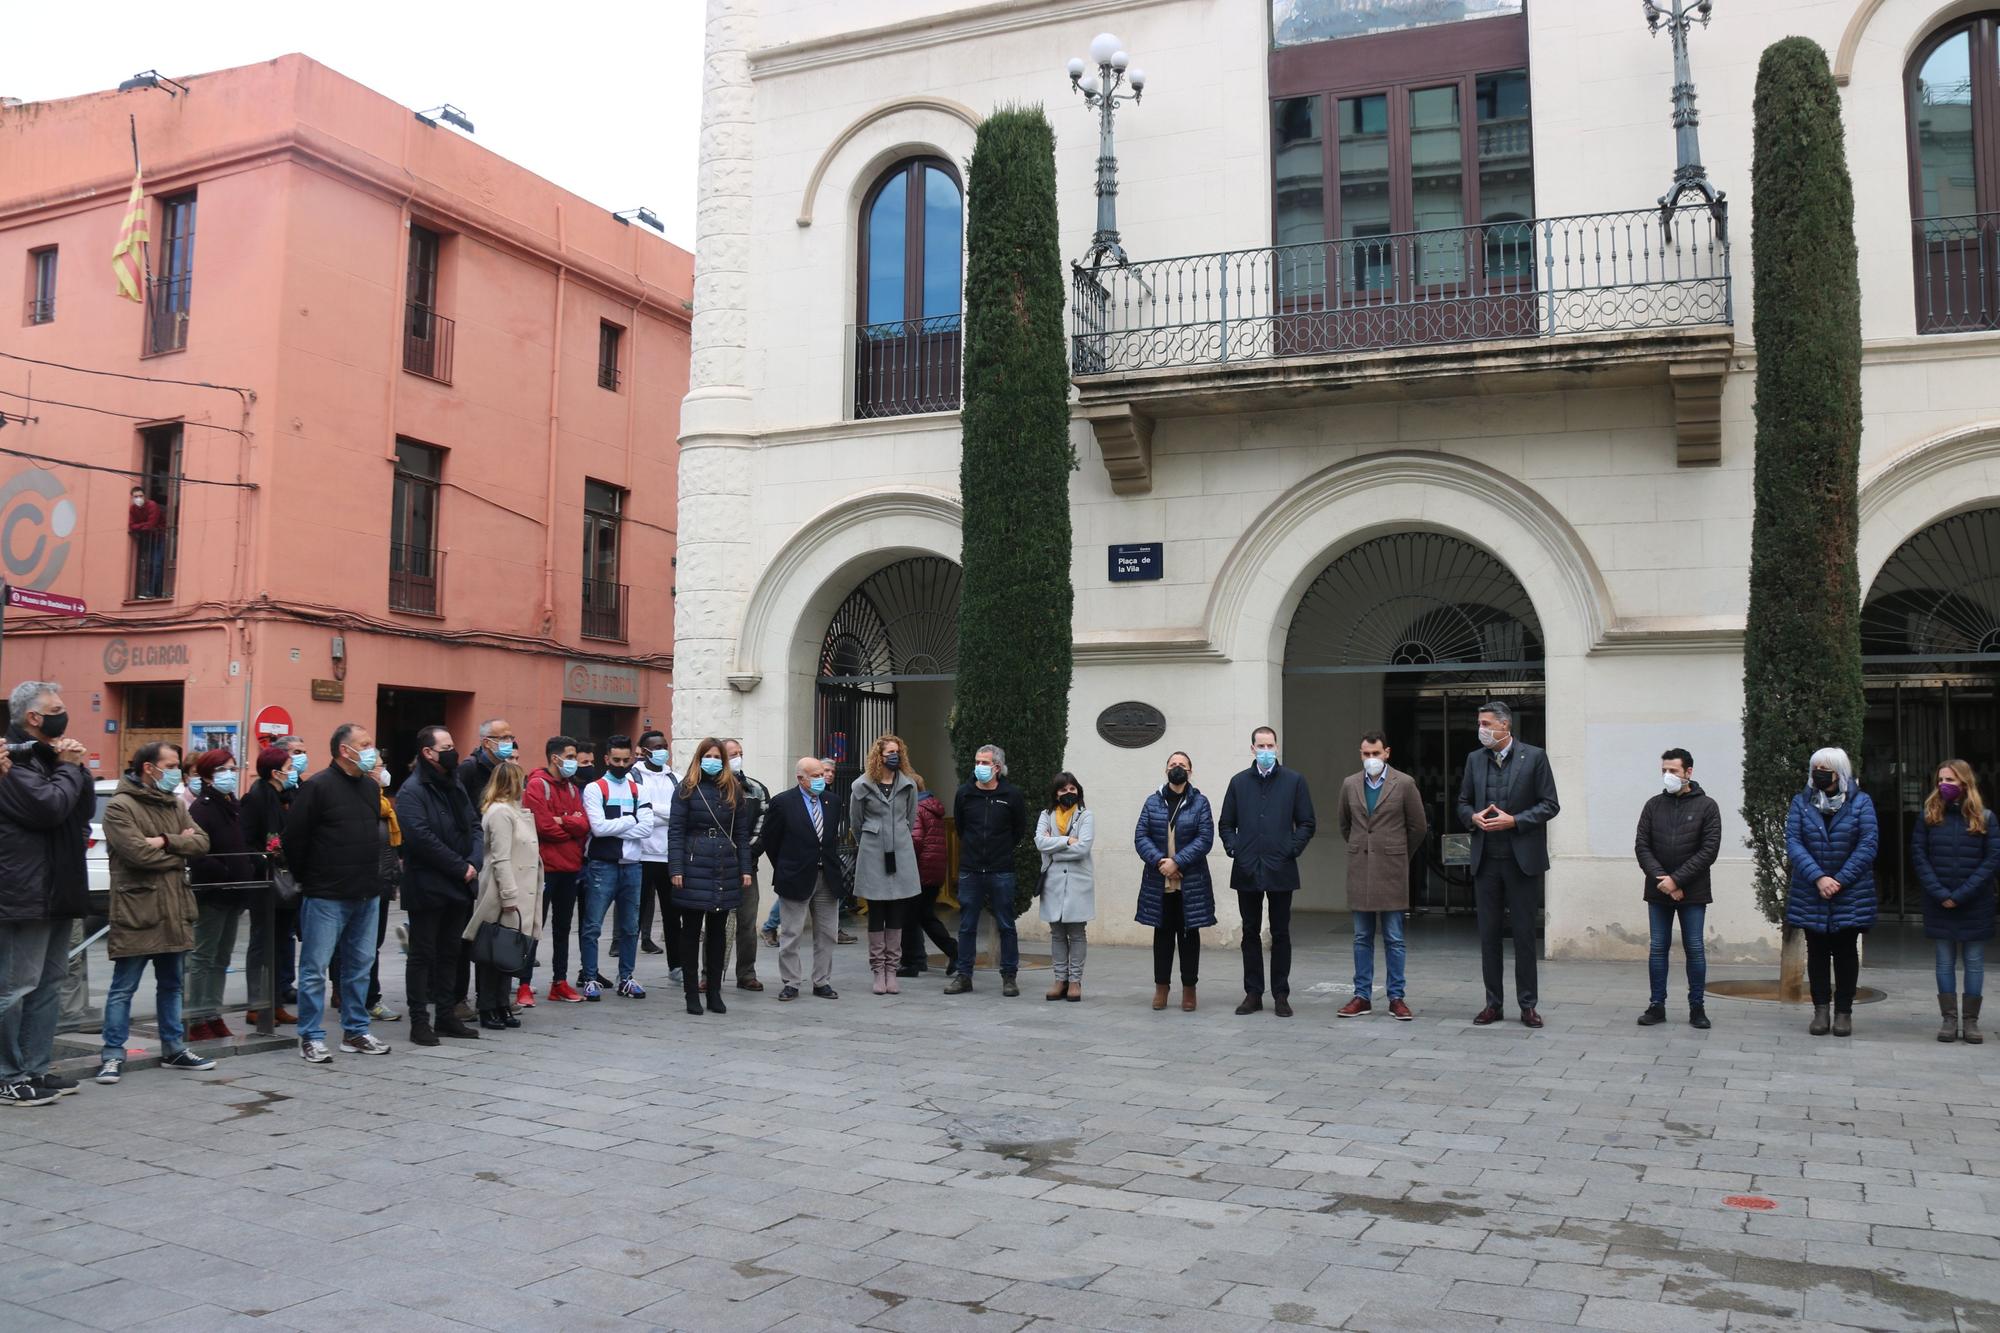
{"type": "Point", "coordinates": [709, 862]}
{"type": "Point", "coordinates": [510, 883]}
{"type": "Point", "coordinates": [882, 813]}
{"type": "Point", "coordinates": [1956, 854]}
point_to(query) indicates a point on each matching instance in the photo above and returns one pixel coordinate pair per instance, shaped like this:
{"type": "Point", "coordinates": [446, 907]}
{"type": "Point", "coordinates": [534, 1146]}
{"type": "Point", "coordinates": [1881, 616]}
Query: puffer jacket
{"type": "Point", "coordinates": [229, 860]}
{"type": "Point", "coordinates": [1956, 865]}
{"type": "Point", "coordinates": [709, 849]}
{"type": "Point", "coordinates": [45, 812]}
{"type": "Point", "coordinates": [152, 908]}
{"type": "Point", "coordinates": [933, 842]}
{"type": "Point", "coordinates": [1843, 848]}
{"type": "Point", "coordinates": [1679, 836]}
{"type": "Point", "coordinates": [1194, 835]}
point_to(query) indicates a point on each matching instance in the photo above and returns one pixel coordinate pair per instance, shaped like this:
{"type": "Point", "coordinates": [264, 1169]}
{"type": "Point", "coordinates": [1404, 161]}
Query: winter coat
{"type": "Point", "coordinates": [229, 859]}
{"type": "Point", "coordinates": [560, 825]}
{"type": "Point", "coordinates": [1194, 835]}
{"type": "Point", "coordinates": [474, 772]}
{"type": "Point", "coordinates": [510, 877]}
{"type": "Point", "coordinates": [152, 908]}
{"type": "Point", "coordinates": [45, 811]}
{"type": "Point", "coordinates": [1844, 849]}
{"type": "Point", "coordinates": [1267, 820]}
{"type": "Point", "coordinates": [1953, 863]}
{"type": "Point", "coordinates": [990, 825]}
{"type": "Point", "coordinates": [262, 810]}
{"type": "Point", "coordinates": [333, 835]}
{"type": "Point", "coordinates": [389, 846]}
{"type": "Point", "coordinates": [710, 849]}
{"type": "Point", "coordinates": [1679, 836]}
{"type": "Point", "coordinates": [885, 824]}
{"type": "Point", "coordinates": [933, 842]}
{"type": "Point", "coordinates": [441, 837]}
{"type": "Point", "coordinates": [1069, 888]}
{"type": "Point", "coordinates": [1380, 845]}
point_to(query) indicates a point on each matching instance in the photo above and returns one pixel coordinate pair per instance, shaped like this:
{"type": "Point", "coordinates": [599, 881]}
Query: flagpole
{"type": "Point", "coordinates": [145, 246]}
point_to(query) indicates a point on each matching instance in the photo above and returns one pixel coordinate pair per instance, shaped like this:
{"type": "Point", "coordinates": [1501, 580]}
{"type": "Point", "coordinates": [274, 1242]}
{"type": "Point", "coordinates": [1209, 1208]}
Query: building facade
{"type": "Point", "coordinates": [402, 416]}
{"type": "Point", "coordinates": [1436, 404]}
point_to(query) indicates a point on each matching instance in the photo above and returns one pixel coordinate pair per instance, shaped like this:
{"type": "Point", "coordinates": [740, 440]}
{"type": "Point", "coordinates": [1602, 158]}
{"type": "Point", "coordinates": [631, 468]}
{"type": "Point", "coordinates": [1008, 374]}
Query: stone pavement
{"type": "Point", "coordinates": [978, 1163]}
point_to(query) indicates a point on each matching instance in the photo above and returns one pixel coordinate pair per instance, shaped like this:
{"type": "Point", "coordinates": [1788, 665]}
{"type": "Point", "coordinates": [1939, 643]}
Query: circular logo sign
{"type": "Point", "coordinates": [37, 520]}
{"type": "Point", "coordinates": [116, 657]}
{"type": "Point", "coordinates": [579, 681]}
{"type": "Point", "coordinates": [1131, 725]}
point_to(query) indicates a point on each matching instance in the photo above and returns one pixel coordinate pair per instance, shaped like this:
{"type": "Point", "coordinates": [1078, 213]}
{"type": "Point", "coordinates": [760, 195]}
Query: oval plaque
{"type": "Point", "coordinates": [1131, 725]}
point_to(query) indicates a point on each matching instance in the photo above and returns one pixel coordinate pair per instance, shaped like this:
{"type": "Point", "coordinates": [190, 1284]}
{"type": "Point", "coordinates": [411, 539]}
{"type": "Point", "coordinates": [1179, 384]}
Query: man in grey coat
{"type": "Point", "coordinates": [1507, 798]}
{"type": "Point", "coordinates": [1382, 821]}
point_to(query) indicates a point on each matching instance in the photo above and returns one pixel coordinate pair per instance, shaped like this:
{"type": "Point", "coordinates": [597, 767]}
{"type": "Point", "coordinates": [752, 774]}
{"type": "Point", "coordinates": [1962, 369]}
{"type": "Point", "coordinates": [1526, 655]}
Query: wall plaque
{"type": "Point", "coordinates": [329, 691]}
{"type": "Point", "coordinates": [1131, 725]}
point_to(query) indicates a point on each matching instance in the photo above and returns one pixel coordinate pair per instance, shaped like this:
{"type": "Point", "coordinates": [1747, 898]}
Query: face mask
{"type": "Point", "coordinates": [1177, 775]}
{"type": "Point", "coordinates": [618, 771]}
{"type": "Point", "coordinates": [448, 760]}
{"type": "Point", "coordinates": [291, 777]}
{"type": "Point", "coordinates": [1825, 779]}
{"type": "Point", "coordinates": [1949, 792]}
{"type": "Point", "coordinates": [170, 780]}
{"type": "Point", "coordinates": [1373, 766]}
{"type": "Point", "coordinates": [226, 782]}
{"type": "Point", "coordinates": [299, 762]}
{"type": "Point", "coordinates": [568, 768]}
{"type": "Point", "coordinates": [54, 725]}
{"type": "Point", "coordinates": [893, 760]}
{"type": "Point", "coordinates": [817, 785]}
{"type": "Point", "coordinates": [504, 750]}
{"type": "Point", "coordinates": [658, 758]}
{"type": "Point", "coordinates": [138, 501]}
{"type": "Point", "coordinates": [1266, 760]}
{"type": "Point", "coordinates": [982, 772]}
{"type": "Point", "coordinates": [736, 763]}
{"type": "Point", "coordinates": [367, 759]}
{"type": "Point", "coordinates": [1487, 736]}
{"type": "Point", "coordinates": [194, 786]}
{"type": "Point", "coordinates": [711, 765]}
{"type": "Point", "coordinates": [1672, 782]}
{"type": "Point", "coordinates": [382, 777]}
{"type": "Point", "coordinates": [1066, 800]}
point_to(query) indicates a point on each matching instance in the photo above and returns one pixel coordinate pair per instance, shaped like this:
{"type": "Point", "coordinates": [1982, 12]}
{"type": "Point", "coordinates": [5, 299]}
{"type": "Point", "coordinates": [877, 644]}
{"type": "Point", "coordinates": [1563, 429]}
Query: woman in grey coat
{"type": "Point", "coordinates": [882, 813]}
{"type": "Point", "coordinates": [1069, 893]}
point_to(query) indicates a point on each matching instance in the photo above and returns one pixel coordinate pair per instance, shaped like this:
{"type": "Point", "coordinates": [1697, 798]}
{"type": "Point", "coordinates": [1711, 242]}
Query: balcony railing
{"type": "Point", "coordinates": [151, 574]}
{"type": "Point", "coordinates": [604, 609]}
{"type": "Point", "coordinates": [42, 310]}
{"type": "Point", "coordinates": [427, 341]}
{"type": "Point", "coordinates": [168, 303]}
{"type": "Point", "coordinates": [607, 376]}
{"type": "Point", "coordinates": [1536, 278]}
{"type": "Point", "coordinates": [1958, 273]}
{"type": "Point", "coordinates": [416, 579]}
{"type": "Point", "coordinates": [907, 366]}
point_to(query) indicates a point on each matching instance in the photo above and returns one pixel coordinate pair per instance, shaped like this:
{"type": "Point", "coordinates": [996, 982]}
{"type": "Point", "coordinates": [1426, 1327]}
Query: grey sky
{"type": "Point", "coordinates": [602, 98]}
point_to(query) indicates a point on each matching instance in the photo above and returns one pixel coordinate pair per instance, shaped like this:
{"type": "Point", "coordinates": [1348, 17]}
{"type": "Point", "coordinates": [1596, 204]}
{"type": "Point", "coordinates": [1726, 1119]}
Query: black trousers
{"type": "Point", "coordinates": [559, 889]}
{"type": "Point", "coordinates": [493, 987]}
{"type": "Point", "coordinates": [1251, 903]}
{"type": "Point", "coordinates": [1171, 932]}
{"type": "Point", "coordinates": [717, 926]}
{"type": "Point", "coordinates": [1501, 889]}
{"type": "Point", "coordinates": [888, 916]}
{"type": "Point", "coordinates": [656, 883]}
{"type": "Point", "coordinates": [436, 950]}
{"type": "Point", "coordinates": [375, 967]}
{"type": "Point", "coordinates": [923, 921]}
{"type": "Point", "coordinates": [1837, 952]}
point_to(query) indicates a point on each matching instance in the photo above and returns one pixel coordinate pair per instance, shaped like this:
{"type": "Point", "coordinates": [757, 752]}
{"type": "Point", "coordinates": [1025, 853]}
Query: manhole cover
{"type": "Point", "coordinates": [1766, 988]}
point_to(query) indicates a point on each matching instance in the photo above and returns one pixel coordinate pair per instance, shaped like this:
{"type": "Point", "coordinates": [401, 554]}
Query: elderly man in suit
{"type": "Point", "coordinates": [1507, 798]}
{"type": "Point", "coordinates": [801, 835]}
{"type": "Point", "coordinates": [1383, 823]}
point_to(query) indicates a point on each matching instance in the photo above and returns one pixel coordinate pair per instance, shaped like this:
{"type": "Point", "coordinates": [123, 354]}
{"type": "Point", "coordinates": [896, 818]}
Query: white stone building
{"type": "Point", "coordinates": [1482, 428]}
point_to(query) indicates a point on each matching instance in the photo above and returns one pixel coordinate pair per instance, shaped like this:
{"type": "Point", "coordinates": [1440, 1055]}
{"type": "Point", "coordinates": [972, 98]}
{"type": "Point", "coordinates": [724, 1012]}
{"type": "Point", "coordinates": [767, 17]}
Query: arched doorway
{"type": "Point", "coordinates": [887, 663]}
{"type": "Point", "coordinates": [1930, 648]}
{"type": "Point", "coordinates": [1407, 633]}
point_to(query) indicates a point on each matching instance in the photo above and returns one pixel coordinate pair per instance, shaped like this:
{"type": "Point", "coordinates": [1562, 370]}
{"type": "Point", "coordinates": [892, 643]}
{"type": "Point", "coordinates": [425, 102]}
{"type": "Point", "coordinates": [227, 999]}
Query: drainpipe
{"type": "Point", "coordinates": [555, 417]}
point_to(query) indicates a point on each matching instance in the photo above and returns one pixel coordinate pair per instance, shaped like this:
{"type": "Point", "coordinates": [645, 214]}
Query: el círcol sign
{"type": "Point", "coordinates": [597, 683]}
{"type": "Point", "coordinates": [122, 654]}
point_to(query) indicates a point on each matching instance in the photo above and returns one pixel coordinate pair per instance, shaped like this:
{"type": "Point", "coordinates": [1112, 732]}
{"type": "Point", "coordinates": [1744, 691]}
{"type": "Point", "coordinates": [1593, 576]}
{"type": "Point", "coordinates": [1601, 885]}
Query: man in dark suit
{"type": "Point", "coordinates": [1507, 798]}
{"type": "Point", "coordinates": [801, 835]}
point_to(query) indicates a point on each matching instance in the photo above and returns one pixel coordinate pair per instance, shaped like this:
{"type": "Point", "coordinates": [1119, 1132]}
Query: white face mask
{"type": "Point", "coordinates": [1373, 765]}
{"type": "Point", "coordinates": [736, 764]}
{"type": "Point", "coordinates": [1487, 736]}
{"type": "Point", "coordinates": [1673, 782]}
{"type": "Point", "coordinates": [138, 501]}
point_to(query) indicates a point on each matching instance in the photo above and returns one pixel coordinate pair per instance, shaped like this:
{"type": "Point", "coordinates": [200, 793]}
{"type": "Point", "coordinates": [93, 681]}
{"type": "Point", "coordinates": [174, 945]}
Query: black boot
{"type": "Point", "coordinates": [714, 992]}
{"type": "Point", "coordinates": [450, 1024]}
{"type": "Point", "coordinates": [421, 1032]}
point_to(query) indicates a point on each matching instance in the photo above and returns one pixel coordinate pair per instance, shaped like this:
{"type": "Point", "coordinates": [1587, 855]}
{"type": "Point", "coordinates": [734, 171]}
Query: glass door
{"type": "Point", "coordinates": [1431, 730]}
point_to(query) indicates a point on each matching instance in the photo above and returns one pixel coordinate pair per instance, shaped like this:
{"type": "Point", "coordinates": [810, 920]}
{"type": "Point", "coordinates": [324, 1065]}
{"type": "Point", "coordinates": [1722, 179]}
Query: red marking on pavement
{"type": "Point", "coordinates": [1754, 1202]}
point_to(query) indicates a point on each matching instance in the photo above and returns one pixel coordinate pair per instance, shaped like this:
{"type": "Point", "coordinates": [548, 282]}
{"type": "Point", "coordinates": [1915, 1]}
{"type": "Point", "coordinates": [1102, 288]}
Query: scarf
{"type": "Point", "coordinates": [1063, 818]}
{"type": "Point", "coordinates": [395, 829]}
{"type": "Point", "coordinates": [1829, 801]}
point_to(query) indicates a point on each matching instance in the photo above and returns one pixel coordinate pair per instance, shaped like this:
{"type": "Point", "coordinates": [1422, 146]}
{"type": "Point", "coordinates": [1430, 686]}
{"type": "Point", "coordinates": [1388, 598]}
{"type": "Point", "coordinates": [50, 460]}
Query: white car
{"type": "Point", "coordinates": [96, 856]}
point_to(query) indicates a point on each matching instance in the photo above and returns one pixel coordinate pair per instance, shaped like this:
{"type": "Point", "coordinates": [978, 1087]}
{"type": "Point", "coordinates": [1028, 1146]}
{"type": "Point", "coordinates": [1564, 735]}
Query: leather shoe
{"type": "Point", "coordinates": [1530, 1019]}
{"type": "Point", "coordinates": [1490, 1014]}
{"type": "Point", "coordinates": [1251, 1004]}
{"type": "Point", "coordinates": [1281, 1006]}
{"type": "Point", "coordinates": [749, 983]}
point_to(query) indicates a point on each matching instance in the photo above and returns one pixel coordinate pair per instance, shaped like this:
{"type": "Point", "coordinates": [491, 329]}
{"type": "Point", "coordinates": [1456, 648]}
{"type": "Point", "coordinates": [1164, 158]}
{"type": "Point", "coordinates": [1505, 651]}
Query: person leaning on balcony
{"type": "Point", "coordinates": [217, 813]}
{"type": "Point", "coordinates": [1831, 838]}
{"type": "Point", "coordinates": [147, 522]}
{"type": "Point", "coordinates": [1956, 852]}
{"type": "Point", "coordinates": [1176, 895]}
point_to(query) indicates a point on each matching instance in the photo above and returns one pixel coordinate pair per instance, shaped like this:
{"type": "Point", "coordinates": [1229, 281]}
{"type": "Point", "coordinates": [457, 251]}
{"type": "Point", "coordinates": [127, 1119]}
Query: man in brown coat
{"type": "Point", "coordinates": [1382, 821]}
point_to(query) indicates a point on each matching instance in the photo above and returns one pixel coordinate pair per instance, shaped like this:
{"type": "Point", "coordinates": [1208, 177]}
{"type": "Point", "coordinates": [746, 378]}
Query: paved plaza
{"type": "Point", "coordinates": [981, 1163]}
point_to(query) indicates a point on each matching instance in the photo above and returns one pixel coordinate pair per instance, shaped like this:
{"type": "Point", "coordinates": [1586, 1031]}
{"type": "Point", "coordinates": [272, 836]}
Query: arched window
{"type": "Point", "coordinates": [910, 291]}
{"type": "Point", "coordinates": [1953, 91]}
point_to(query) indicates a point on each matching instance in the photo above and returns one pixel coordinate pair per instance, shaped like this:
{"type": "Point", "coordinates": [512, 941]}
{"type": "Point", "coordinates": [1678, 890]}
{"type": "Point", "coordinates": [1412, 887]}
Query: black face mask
{"type": "Point", "coordinates": [1066, 800]}
{"type": "Point", "coordinates": [1825, 779]}
{"type": "Point", "coordinates": [892, 761]}
{"type": "Point", "coordinates": [447, 761]}
{"type": "Point", "coordinates": [1177, 775]}
{"type": "Point", "coordinates": [54, 725]}
{"type": "Point", "coordinates": [618, 771]}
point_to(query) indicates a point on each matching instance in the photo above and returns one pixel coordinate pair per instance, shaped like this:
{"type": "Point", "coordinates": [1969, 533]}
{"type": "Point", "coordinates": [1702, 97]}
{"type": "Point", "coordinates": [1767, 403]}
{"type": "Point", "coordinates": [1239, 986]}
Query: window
{"type": "Point", "coordinates": [910, 298]}
{"type": "Point", "coordinates": [154, 524]}
{"type": "Point", "coordinates": [610, 338]}
{"type": "Point", "coordinates": [169, 297]}
{"type": "Point", "coordinates": [427, 335]}
{"type": "Point", "coordinates": [1297, 22]}
{"type": "Point", "coordinates": [42, 285]}
{"type": "Point", "coordinates": [1953, 87]}
{"type": "Point", "coordinates": [604, 597]}
{"type": "Point", "coordinates": [416, 565]}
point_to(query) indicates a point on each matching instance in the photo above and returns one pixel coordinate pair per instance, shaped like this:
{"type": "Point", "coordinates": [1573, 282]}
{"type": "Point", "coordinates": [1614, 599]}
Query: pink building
{"type": "Point", "coordinates": [440, 482]}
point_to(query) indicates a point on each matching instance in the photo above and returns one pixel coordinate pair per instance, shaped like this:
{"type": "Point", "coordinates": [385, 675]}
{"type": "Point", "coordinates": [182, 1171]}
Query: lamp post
{"type": "Point", "coordinates": [1099, 87]}
{"type": "Point", "coordinates": [1690, 177]}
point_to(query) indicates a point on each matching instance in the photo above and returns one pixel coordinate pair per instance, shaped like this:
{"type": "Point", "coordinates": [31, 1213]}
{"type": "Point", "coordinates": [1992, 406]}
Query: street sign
{"type": "Point", "coordinates": [1137, 562]}
{"type": "Point", "coordinates": [272, 722]}
{"type": "Point", "coordinates": [28, 599]}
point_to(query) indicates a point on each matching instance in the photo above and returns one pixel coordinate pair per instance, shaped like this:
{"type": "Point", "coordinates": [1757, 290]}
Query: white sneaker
{"type": "Point", "coordinates": [314, 1052]}
{"type": "Point", "coordinates": [362, 1043]}
{"type": "Point", "coordinates": [108, 1071]}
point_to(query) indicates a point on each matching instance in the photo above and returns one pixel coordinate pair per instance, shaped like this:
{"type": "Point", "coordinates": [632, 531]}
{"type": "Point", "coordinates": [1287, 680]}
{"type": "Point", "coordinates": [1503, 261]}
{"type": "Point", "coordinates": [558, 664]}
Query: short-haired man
{"type": "Point", "coordinates": [562, 830]}
{"type": "Point", "coordinates": [1267, 820]}
{"type": "Point", "coordinates": [496, 747]}
{"type": "Point", "coordinates": [45, 809]}
{"type": "Point", "coordinates": [332, 844]}
{"type": "Point", "coordinates": [757, 799]}
{"type": "Point", "coordinates": [1680, 835]}
{"type": "Point", "coordinates": [444, 846]}
{"type": "Point", "coordinates": [621, 819]}
{"type": "Point", "coordinates": [655, 775]}
{"type": "Point", "coordinates": [1507, 797]}
{"type": "Point", "coordinates": [801, 835]}
{"type": "Point", "coordinates": [992, 818]}
{"type": "Point", "coordinates": [1382, 821]}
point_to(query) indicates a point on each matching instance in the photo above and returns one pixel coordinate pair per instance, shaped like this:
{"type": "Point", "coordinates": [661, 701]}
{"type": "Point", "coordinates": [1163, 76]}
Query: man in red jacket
{"type": "Point", "coordinates": [147, 523]}
{"type": "Point", "coordinates": [562, 829]}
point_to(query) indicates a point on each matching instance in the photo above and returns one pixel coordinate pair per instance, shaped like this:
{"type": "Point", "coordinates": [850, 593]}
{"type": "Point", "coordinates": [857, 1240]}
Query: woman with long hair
{"type": "Point", "coordinates": [1956, 854]}
{"type": "Point", "coordinates": [1831, 838]}
{"type": "Point", "coordinates": [710, 861]}
{"type": "Point", "coordinates": [510, 884]}
{"type": "Point", "coordinates": [1063, 836]}
{"type": "Point", "coordinates": [882, 814]}
{"type": "Point", "coordinates": [216, 812]}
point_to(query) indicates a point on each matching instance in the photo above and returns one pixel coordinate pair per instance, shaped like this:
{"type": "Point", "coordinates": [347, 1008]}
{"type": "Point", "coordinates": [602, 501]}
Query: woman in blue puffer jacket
{"type": "Point", "coordinates": [1176, 897]}
{"type": "Point", "coordinates": [1956, 854]}
{"type": "Point", "coordinates": [710, 861]}
{"type": "Point", "coordinates": [1831, 838]}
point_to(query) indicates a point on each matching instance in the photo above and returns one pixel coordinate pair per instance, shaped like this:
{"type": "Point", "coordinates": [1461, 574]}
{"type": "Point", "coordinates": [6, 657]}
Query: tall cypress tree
{"type": "Point", "coordinates": [1014, 658]}
{"type": "Point", "coordinates": [1802, 641]}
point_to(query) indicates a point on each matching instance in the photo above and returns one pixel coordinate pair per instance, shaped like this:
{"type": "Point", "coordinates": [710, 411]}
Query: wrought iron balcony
{"type": "Point", "coordinates": [427, 343]}
{"type": "Point", "coordinates": [169, 301]}
{"type": "Point", "coordinates": [416, 579]}
{"type": "Point", "coordinates": [42, 310]}
{"type": "Point", "coordinates": [907, 366]}
{"type": "Point", "coordinates": [153, 563]}
{"type": "Point", "coordinates": [1958, 273]}
{"type": "Point", "coordinates": [604, 605]}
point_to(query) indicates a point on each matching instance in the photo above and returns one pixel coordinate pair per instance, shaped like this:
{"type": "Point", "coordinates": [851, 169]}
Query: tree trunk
{"type": "Point", "coordinates": [1792, 966]}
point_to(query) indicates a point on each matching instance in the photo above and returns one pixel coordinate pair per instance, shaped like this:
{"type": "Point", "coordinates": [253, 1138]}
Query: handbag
{"type": "Point", "coordinates": [285, 885]}
{"type": "Point", "coordinates": [503, 947]}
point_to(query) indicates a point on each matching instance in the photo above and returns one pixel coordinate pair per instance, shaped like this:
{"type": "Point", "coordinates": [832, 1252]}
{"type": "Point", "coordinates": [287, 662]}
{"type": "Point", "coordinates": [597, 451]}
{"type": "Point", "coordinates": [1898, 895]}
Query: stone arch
{"type": "Point", "coordinates": [901, 105]}
{"type": "Point", "coordinates": [1934, 479]}
{"type": "Point", "coordinates": [1864, 15]}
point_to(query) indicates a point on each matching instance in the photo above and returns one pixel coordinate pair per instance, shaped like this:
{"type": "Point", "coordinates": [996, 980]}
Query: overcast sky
{"type": "Point", "coordinates": [601, 97]}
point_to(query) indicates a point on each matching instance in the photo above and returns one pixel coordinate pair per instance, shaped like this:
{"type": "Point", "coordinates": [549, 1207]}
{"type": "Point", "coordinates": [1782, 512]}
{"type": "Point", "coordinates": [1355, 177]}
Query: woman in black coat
{"type": "Point", "coordinates": [261, 816]}
{"type": "Point", "coordinates": [216, 812]}
{"type": "Point", "coordinates": [1955, 851]}
{"type": "Point", "coordinates": [710, 860]}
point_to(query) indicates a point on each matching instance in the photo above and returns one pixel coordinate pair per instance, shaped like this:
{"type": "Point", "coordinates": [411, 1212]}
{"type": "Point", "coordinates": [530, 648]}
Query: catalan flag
{"type": "Point", "coordinates": [127, 258]}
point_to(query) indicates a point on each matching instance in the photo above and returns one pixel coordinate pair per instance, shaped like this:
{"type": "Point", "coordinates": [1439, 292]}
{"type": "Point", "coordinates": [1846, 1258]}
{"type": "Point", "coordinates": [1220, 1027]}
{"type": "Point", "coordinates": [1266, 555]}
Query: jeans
{"type": "Point", "coordinates": [771, 922]}
{"type": "Point", "coordinates": [1973, 952]}
{"type": "Point", "coordinates": [558, 897]}
{"type": "Point", "coordinates": [604, 883]}
{"type": "Point", "coordinates": [125, 977]}
{"type": "Point", "coordinates": [34, 959]}
{"type": "Point", "coordinates": [1251, 903]}
{"type": "Point", "coordinates": [1501, 890]}
{"type": "Point", "coordinates": [1838, 952]}
{"type": "Point", "coordinates": [989, 890]}
{"type": "Point", "coordinates": [1172, 932]}
{"type": "Point", "coordinates": [1365, 926]}
{"type": "Point", "coordinates": [336, 933]}
{"type": "Point", "coordinates": [1691, 915]}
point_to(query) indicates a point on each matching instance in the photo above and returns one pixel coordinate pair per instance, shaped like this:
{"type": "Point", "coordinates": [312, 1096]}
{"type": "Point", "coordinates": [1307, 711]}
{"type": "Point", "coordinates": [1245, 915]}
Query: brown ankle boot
{"type": "Point", "coordinates": [1159, 997]}
{"type": "Point", "coordinates": [1187, 999]}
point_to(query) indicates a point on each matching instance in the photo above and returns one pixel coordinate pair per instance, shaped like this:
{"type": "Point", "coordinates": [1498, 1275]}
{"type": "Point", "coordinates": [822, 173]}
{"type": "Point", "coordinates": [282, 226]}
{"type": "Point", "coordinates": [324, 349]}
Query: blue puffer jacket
{"type": "Point", "coordinates": [709, 848]}
{"type": "Point", "coordinates": [1844, 849]}
{"type": "Point", "coordinates": [1194, 834]}
{"type": "Point", "coordinates": [1952, 862]}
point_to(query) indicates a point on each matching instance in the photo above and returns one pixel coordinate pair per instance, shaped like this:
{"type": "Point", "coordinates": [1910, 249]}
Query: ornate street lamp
{"type": "Point", "coordinates": [1690, 177]}
{"type": "Point", "coordinates": [1100, 92]}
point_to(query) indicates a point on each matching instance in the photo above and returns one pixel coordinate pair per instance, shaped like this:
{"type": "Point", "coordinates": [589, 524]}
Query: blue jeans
{"type": "Point", "coordinates": [1691, 915]}
{"type": "Point", "coordinates": [1974, 954]}
{"type": "Point", "coordinates": [606, 881]}
{"type": "Point", "coordinates": [771, 921]}
{"type": "Point", "coordinates": [341, 933]}
{"type": "Point", "coordinates": [1365, 925]}
{"type": "Point", "coordinates": [989, 890]}
{"type": "Point", "coordinates": [125, 976]}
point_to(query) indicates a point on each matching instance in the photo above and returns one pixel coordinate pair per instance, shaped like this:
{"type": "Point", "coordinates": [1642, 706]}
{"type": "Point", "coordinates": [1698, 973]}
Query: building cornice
{"type": "Point", "coordinates": [917, 34]}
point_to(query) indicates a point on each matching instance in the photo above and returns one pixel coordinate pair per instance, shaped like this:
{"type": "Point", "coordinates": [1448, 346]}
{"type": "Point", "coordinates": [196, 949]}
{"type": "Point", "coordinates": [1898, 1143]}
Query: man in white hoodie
{"type": "Point", "coordinates": [657, 782]}
{"type": "Point", "coordinates": [621, 819]}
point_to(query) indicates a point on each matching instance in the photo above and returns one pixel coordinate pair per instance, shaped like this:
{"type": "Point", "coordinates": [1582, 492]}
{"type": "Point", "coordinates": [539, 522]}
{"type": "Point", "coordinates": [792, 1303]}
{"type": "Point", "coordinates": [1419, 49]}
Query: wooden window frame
{"type": "Point", "coordinates": [914, 213]}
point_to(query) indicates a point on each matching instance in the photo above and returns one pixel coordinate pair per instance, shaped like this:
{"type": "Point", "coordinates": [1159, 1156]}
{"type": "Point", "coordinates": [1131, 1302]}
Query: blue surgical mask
{"type": "Point", "coordinates": [299, 762]}
{"type": "Point", "coordinates": [818, 786]}
{"type": "Point", "coordinates": [568, 768]}
{"type": "Point", "coordinates": [982, 772]}
{"type": "Point", "coordinates": [711, 765]}
{"type": "Point", "coordinates": [367, 759]}
{"type": "Point", "coordinates": [194, 786]}
{"type": "Point", "coordinates": [1267, 760]}
{"type": "Point", "coordinates": [170, 780]}
{"type": "Point", "coordinates": [225, 782]}
{"type": "Point", "coordinates": [658, 758]}
{"type": "Point", "coordinates": [291, 777]}
{"type": "Point", "coordinates": [504, 750]}
{"type": "Point", "coordinates": [893, 759]}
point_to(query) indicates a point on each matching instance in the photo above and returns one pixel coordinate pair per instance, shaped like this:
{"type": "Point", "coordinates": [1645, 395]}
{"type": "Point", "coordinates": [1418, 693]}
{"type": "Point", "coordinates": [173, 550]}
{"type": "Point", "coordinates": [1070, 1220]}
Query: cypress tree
{"type": "Point", "coordinates": [1014, 658]}
{"type": "Point", "coordinates": [1802, 641]}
